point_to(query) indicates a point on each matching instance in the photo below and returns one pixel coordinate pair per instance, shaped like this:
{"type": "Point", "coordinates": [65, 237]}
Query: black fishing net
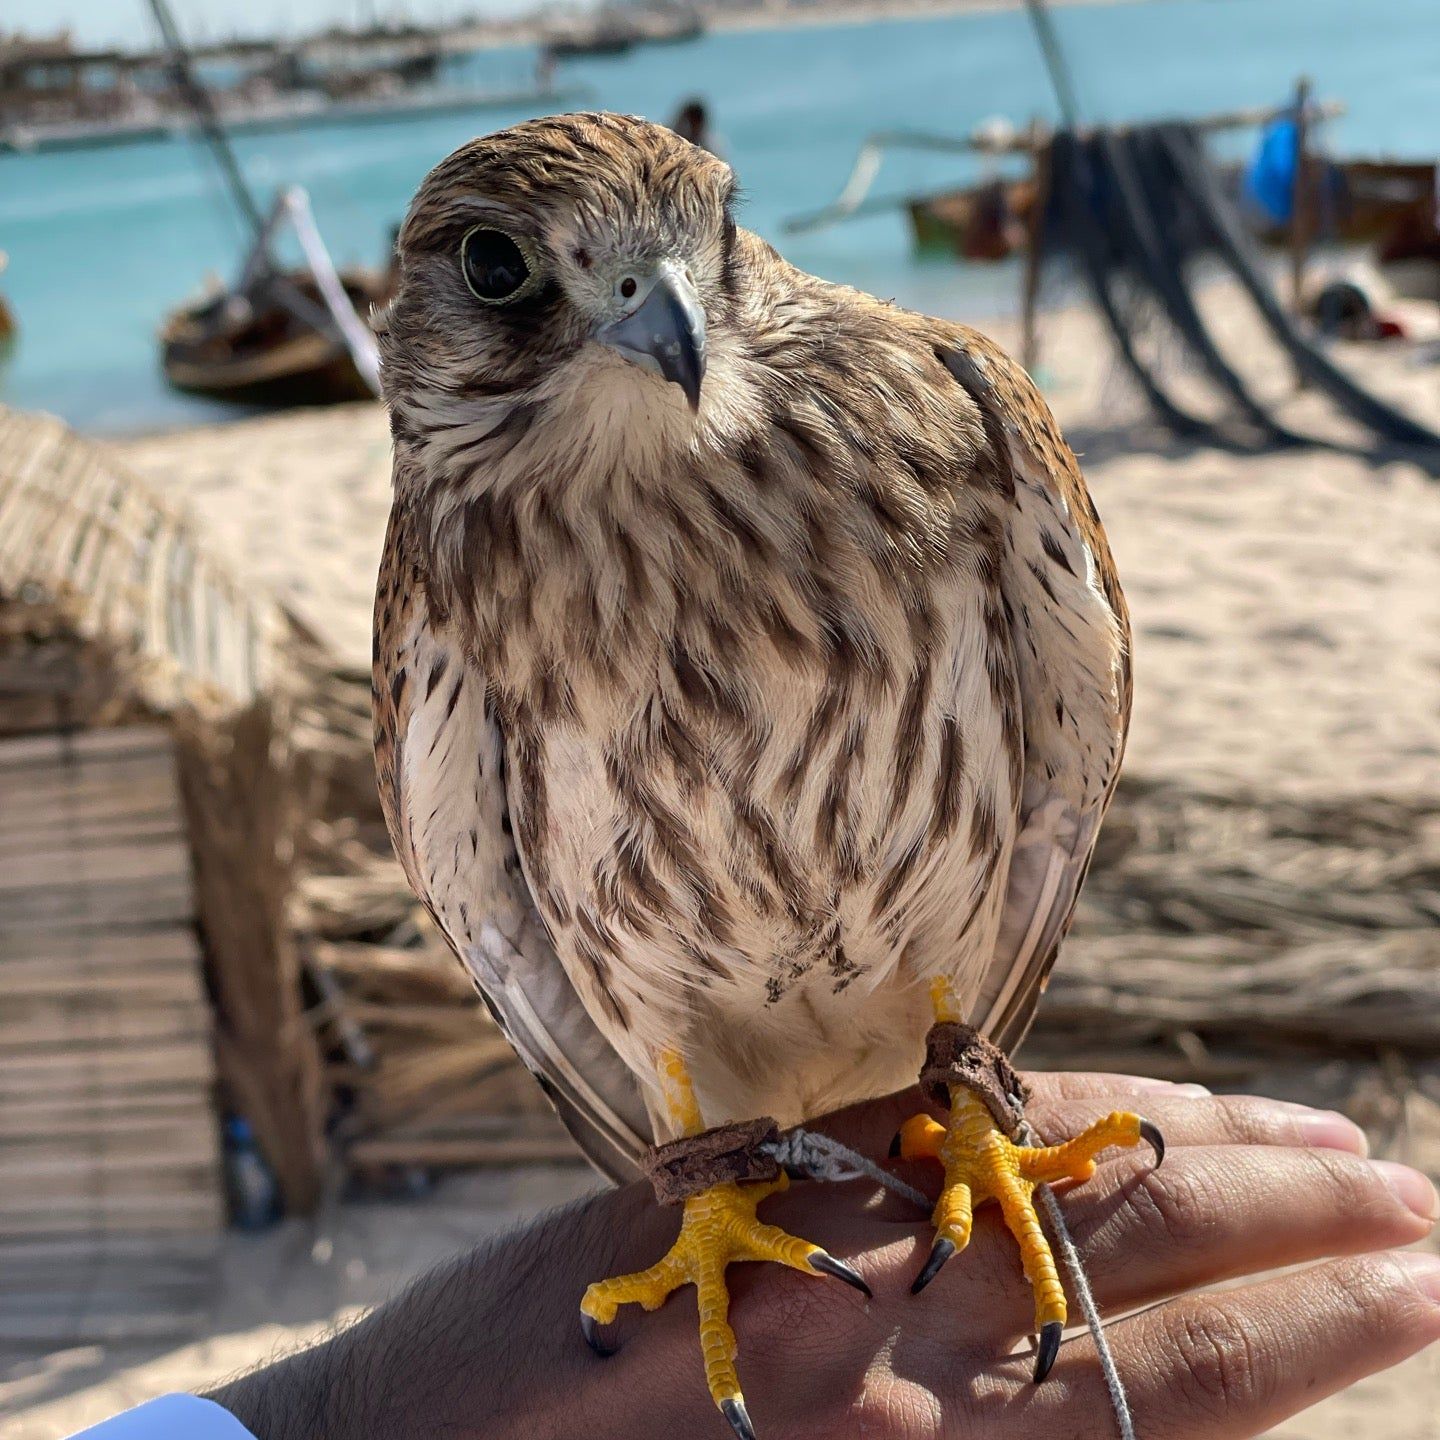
{"type": "Point", "coordinates": [1143, 217]}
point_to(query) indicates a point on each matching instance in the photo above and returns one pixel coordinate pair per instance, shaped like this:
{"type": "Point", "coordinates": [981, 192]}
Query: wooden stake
{"type": "Point", "coordinates": [1300, 197]}
{"type": "Point", "coordinates": [1034, 257]}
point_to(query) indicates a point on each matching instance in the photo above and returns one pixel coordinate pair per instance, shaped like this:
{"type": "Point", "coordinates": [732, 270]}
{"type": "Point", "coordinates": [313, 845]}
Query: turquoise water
{"type": "Point", "coordinates": [102, 243]}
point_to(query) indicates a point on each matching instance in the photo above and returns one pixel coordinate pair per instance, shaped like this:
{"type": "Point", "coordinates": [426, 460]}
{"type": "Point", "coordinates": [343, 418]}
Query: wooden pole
{"type": "Point", "coordinates": [1300, 196]}
{"type": "Point", "coordinates": [1061, 79]}
{"type": "Point", "coordinates": [208, 119]}
{"type": "Point", "coordinates": [1034, 253]}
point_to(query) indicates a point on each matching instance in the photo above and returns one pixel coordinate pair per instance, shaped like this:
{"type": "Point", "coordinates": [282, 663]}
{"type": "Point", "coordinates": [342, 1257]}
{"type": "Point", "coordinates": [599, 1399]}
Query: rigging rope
{"type": "Point", "coordinates": [1061, 80]}
{"type": "Point", "coordinates": [358, 337]}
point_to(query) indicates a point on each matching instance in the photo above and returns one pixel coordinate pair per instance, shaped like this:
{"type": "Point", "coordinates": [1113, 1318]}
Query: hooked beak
{"type": "Point", "coordinates": [665, 331]}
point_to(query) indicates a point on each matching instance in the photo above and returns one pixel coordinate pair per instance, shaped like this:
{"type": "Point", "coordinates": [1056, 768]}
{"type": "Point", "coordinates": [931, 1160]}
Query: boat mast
{"type": "Point", "coordinates": [200, 101]}
{"type": "Point", "coordinates": [1061, 79]}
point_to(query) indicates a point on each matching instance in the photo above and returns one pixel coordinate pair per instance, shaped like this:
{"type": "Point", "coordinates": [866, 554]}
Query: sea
{"type": "Point", "coordinates": [102, 243]}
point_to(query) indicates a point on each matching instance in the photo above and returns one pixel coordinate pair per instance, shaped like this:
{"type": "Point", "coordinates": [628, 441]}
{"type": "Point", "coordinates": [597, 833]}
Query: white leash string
{"type": "Point", "coordinates": [818, 1157]}
{"type": "Point", "coordinates": [1080, 1283]}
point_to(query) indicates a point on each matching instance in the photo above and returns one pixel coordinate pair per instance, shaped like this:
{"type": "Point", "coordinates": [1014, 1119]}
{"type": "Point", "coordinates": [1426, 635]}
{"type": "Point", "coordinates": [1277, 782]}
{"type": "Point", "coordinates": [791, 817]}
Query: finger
{"type": "Point", "coordinates": [870, 1127]}
{"type": "Point", "coordinates": [1210, 1214]}
{"type": "Point", "coordinates": [1060, 1085]}
{"type": "Point", "coordinates": [1220, 1120]}
{"type": "Point", "coordinates": [1226, 1367]}
{"type": "Point", "coordinates": [1214, 1120]}
{"type": "Point", "coordinates": [1210, 1120]}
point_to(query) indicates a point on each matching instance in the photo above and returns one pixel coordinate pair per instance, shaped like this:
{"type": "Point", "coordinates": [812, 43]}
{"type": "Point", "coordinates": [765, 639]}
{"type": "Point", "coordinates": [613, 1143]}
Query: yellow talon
{"type": "Point", "coordinates": [982, 1163]}
{"type": "Point", "coordinates": [719, 1226]}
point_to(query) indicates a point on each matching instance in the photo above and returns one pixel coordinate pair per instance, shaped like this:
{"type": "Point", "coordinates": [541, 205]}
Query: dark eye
{"type": "Point", "coordinates": [498, 267]}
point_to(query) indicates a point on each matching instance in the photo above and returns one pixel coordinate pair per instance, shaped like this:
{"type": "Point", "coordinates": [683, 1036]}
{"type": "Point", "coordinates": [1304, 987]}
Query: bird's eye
{"type": "Point", "coordinates": [499, 268]}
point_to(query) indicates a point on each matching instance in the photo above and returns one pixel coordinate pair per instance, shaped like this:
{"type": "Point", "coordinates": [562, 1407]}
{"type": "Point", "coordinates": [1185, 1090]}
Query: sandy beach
{"type": "Point", "coordinates": [1287, 646]}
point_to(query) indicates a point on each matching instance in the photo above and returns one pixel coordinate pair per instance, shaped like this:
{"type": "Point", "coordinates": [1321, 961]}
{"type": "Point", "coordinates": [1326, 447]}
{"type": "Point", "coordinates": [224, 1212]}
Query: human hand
{"type": "Point", "coordinates": [1247, 1186]}
{"type": "Point", "coordinates": [490, 1345]}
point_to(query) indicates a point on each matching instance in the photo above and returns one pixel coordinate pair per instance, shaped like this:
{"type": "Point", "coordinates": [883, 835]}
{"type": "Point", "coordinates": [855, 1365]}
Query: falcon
{"type": "Point", "coordinates": [751, 679]}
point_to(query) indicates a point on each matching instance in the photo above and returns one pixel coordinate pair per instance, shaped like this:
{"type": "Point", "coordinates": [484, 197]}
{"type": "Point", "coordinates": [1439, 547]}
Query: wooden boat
{"type": "Point", "coordinates": [678, 31]}
{"type": "Point", "coordinates": [985, 222]}
{"type": "Point", "coordinates": [615, 33]}
{"type": "Point", "coordinates": [1390, 204]}
{"type": "Point", "coordinates": [277, 336]}
{"type": "Point", "coordinates": [268, 344]}
{"type": "Point", "coordinates": [601, 40]}
{"type": "Point", "coordinates": [1386, 203]}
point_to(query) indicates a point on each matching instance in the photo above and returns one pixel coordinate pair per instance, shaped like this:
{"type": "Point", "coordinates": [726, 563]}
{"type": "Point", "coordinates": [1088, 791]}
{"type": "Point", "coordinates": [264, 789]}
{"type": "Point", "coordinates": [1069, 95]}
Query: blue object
{"type": "Point", "coordinates": [249, 1182]}
{"type": "Point", "coordinates": [1270, 176]}
{"type": "Point", "coordinates": [171, 1417]}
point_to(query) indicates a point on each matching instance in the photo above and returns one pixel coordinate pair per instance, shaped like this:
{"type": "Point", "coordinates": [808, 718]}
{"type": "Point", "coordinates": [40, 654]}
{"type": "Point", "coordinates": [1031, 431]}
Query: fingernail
{"type": "Point", "coordinates": [1192, 1091]}
{"type": "Point", "coordinates": [1329, 1130]}
{"type": "Point", "coordinates": [1422, 1269]}
{"type": "Point", "coordinates": [1410, 1188]}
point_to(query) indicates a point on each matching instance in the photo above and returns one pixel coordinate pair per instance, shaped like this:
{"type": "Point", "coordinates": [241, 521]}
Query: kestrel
{"type": "Point", "coordinates": [751, 678]}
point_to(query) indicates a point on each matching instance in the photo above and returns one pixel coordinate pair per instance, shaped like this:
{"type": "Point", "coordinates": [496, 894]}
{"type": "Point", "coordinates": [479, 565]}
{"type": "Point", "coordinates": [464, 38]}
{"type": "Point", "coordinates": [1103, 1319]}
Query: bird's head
{"type": "Point", "coordinates": [576, 265]}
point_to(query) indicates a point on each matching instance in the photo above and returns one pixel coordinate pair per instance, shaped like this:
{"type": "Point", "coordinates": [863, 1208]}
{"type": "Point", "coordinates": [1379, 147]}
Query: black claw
{"type": "Point", "coordinates": [940, 1252]}
{"type": "Point", "coordinates": [1150, 1134]}
{"type": "Point", "coordinates": [739, 1417]}
{"type": "Point", "coordinates": [841, 1271]}
{"type": "Point", "coordinates": [895, 1146]}
{"type": "Point", "coordinates": [590, 1329]}
{"type": "Point", "coordinates": [1047, 1350]}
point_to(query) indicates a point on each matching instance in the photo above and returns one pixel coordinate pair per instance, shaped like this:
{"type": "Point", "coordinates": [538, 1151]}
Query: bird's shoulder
{"type": "Point", "coordinates": [1000, 386]}
{"type": "Point", "coordinates": [895, 369]}
{"type": "Point", "coordinates": [899, 369]}
{"type": "Point", "coordinates": [944, 403]}
{"type": "Point", "coordinates": [980, 413]}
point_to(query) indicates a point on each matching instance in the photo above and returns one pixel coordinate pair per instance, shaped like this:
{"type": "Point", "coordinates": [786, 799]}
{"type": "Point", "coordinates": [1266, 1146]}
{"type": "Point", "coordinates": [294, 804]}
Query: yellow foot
{"type": "Point", "coordinates": [720, 1226]}
{"type": "Point", "coordinates": [982, 1164]}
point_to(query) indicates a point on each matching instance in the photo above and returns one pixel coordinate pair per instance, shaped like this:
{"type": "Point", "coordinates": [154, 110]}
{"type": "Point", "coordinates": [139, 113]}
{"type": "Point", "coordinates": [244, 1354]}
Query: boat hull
{"type": "Point", "coordinates": [293, 375]}
{"type": "Point", "coordinates": [1391, 204]}
{"type": "Point", "coordinates": [252, 350]}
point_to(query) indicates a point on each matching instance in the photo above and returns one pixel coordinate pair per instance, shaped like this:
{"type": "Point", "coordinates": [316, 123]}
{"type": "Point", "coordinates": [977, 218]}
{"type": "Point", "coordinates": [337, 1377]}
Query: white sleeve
{"type": "Point", "coordinates": [171, 1417]}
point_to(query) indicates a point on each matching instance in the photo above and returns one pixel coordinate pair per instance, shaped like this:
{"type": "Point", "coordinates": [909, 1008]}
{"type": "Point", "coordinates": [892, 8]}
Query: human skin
{"type": "Point", "coordinates": [489, 1345]}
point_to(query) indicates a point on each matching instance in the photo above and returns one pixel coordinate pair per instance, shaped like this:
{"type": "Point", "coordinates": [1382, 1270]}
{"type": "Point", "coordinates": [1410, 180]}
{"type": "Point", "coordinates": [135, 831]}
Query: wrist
{"type": "Point", "coordinates": [487, 1345]}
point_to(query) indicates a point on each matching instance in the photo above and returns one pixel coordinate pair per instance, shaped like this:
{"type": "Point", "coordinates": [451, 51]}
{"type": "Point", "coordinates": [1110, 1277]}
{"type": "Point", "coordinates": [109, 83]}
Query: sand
{"type": "Point", "coordinates": [277, 1291]}
{"type": "Point", "coordinates": [1287, 617]}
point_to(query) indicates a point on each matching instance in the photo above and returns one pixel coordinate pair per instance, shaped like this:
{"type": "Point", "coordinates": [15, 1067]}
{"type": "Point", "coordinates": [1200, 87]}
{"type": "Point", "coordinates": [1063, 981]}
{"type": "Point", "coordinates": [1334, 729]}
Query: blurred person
{"type": "Point", "coordinates": [7, 316]}
{"type": "Point", "coordinates": [692, 123]}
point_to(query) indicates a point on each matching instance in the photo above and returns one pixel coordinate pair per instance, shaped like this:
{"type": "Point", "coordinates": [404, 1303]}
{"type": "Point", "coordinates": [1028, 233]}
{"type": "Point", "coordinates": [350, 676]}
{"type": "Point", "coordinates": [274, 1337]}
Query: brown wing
{"type": "Point", "coordinates": [1070, 635]}
{"type": "Point", "coordinates": [440, 762]}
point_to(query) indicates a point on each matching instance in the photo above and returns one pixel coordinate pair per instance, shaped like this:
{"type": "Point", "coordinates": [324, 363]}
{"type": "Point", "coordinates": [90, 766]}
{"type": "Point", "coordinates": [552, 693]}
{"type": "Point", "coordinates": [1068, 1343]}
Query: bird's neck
{"type": "Point", "coordinates": [585, 564]}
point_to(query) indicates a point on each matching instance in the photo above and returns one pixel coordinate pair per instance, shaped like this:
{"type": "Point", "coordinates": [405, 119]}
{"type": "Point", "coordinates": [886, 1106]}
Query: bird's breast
{"type": "Point", "coordinates": [759, 737]}
{"type": "Point", "coordinates": [760, 830]}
